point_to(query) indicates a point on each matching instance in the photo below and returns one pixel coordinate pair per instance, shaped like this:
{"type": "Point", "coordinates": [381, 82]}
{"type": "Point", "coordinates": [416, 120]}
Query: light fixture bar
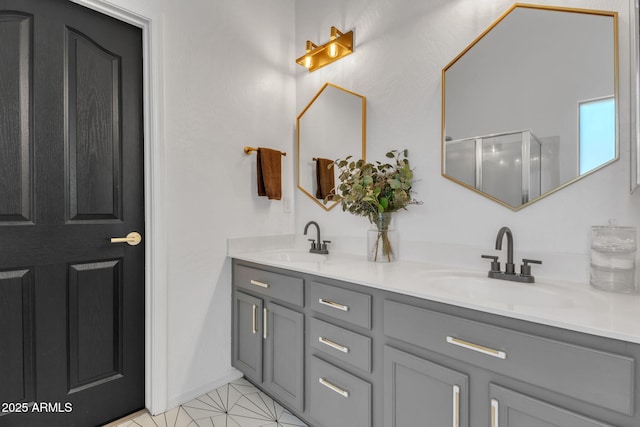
{"type": "Point", "coordinates": [339, 45]}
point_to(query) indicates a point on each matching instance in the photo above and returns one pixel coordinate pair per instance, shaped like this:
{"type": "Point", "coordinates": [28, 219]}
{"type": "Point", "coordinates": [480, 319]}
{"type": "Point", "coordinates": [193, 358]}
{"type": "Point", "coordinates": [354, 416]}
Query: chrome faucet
{"type": "Point", "coordinates": [316, 246]}
{"type": "Point", "coordinates": [510, 269]}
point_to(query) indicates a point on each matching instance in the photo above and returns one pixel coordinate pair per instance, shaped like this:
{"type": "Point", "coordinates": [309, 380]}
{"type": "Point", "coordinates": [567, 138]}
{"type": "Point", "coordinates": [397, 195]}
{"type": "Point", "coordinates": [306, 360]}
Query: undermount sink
{"type": "Point", "coordinates": [294, 256]}
{"type": "Point", "coordinates": [475, 287]}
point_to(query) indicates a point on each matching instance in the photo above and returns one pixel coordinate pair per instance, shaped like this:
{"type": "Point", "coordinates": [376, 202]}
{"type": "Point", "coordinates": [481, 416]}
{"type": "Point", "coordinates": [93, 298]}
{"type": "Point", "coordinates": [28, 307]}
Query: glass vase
{"type": "Point", "coordinates": [382, 239]}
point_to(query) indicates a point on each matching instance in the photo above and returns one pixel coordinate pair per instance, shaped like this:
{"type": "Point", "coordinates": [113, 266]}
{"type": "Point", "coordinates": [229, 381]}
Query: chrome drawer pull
{"type": "Point", "coordinates": [475, 347]}
{"type": "Point", "coordinates": [255, 319]}
{"type": "Point", "coordinates": [261, 284]}
{"type": "Point", "coordinates": [341, 392]}
{"type": "Point", "coordinates": [456, 406]}
{"type": "Point", "coordinates": [264, 323]}
{"type": "Point", "coordinates": [333, 344]}
{"type": "Point", "coordinates": [333, 304]}
{"type": "Point", "coordinates": [494, 413]}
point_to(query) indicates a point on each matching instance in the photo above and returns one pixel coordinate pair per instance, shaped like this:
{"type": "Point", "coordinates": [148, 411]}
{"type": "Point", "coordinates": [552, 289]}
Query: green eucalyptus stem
{"type": "Point", "coordinates": [382, 247]}
{"type": "Point", "coordinates": [387, 251]}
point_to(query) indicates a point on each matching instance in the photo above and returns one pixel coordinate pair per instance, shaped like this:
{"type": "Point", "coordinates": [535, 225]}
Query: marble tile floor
{"type": "Point", "coordinates": [237, 404]}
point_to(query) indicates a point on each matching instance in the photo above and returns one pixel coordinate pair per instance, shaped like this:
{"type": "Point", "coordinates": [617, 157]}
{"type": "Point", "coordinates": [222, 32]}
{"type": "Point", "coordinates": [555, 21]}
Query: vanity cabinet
{"type": "Point", "coordinates": [492, 355]}
{"type": "Point", "coordinates": [338, 354]}
{"type": "Point", "coordinates": [512, 409]}
{"type": "Point", "coordinates": [416, 389]}
{"type": "Point", "coordinates": [247, 339]}
{"type": "Point", "coordinates": [598, 377]}
{"type": "Point", "coordinates": [268, 336]}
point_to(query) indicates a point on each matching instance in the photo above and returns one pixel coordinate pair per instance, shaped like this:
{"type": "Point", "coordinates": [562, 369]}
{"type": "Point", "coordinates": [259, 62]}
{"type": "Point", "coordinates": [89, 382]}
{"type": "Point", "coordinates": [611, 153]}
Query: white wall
{"type": "Point", "coordinates": [226, 80]}
{"type": "Point", "coordinates": [228, 83]}
{"type": "Point", "coordinates": [400, 52]}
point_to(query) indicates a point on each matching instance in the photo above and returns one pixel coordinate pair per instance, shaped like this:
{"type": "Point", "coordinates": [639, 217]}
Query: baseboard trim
{"type": "Point", "coordinates": [192, 394]}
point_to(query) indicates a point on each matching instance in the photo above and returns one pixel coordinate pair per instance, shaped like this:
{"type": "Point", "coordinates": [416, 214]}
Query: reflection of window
{"type": "Point", "coordinates": [597, 133]}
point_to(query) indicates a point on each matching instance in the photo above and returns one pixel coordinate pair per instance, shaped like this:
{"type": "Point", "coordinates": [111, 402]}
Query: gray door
{"type": "Point", "coordinates": [247, 335]}
{"type": "Point", "coordinates": [512, 409]}
{"type": "Point", "coordinates": [71, 177]}
{"type": "Point", "coordinates": [421, 393]}
{"type": "Point", "coordinates": [284, 357]}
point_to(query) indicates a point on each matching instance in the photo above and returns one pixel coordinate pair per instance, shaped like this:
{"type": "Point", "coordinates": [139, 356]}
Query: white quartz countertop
{"type": "Point", "coordinates": [573, 306]}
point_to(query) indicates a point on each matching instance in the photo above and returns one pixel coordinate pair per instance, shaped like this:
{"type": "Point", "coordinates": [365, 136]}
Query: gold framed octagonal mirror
{"type": "Point", "coordinates": [531, 105]}
{"type": "Point", "coordinates": [331, 126]}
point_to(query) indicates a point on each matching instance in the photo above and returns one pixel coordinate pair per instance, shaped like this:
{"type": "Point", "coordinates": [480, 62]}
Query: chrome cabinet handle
{"type": "Point", "coordinates": [264, 323]}
{"type": "Point", "coordinates": [258, 283]}
{"type": "Point", "coordinates": [333, 344]}
{"type": "Point", "coordinates": [494, 413]}
{"type": "Point", "coordinates": [133, 239]}
{"type": "Point", "coordinates": [340, 391]}
{"type": "Point", "coordinates": [255, 319]}
{"type": "Point", "coordinates": [333, 304]}
{"type": "Point", "coordinates": [456, 406]}
{"type": "Point", "coordinates": [475, 347]}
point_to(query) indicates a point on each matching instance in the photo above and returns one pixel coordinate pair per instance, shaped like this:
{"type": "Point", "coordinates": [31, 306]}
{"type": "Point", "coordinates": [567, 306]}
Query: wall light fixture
{"type": "Point", "coordinates": [339, 45]}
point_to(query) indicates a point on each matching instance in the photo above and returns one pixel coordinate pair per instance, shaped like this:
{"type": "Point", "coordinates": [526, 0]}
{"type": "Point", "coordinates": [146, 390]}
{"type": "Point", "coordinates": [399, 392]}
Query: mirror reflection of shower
{"type": "Point", "coordinates": [506, 166]}
{"type": "Point", "coordinates": [552, 70]}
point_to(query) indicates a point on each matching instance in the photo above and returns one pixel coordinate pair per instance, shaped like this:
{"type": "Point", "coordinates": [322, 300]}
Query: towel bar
{"type": "Point", "coordinates": [248, 150]}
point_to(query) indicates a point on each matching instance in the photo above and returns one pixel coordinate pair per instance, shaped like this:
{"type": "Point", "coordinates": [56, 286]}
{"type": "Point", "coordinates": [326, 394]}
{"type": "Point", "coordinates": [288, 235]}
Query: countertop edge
{"type": "Point", "coordinates": [598, 324]}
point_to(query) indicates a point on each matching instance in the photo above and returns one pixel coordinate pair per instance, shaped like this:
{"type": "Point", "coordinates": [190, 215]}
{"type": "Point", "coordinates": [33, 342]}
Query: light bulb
{"type": "Point", "coordinates": [333, 50]}
{"type": "Point", "coordinates": [307, 61]}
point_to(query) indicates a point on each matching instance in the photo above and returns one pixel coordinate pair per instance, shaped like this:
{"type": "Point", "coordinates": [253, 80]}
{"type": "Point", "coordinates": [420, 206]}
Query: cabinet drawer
{"type": "Point", "coordinates": [337, 398]}
{"type": "Point", "coordinates": [275, 285]}
{"type": "Point", "coordinates": [343, 304]}
{"type": "Point", "coordinates": [601, 378]}
{"type": "Point", "coordinates": [342, 344]}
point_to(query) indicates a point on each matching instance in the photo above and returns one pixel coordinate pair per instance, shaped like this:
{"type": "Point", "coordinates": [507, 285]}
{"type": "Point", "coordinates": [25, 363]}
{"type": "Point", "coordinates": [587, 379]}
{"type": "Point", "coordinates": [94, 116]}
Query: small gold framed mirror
{"type": "Point", "coordinates": [331, 126]}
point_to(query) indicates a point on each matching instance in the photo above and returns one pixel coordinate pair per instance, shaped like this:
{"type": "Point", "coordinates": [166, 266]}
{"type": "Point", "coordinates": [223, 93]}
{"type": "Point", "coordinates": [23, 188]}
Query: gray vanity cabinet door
{"type": "Point", "coordinates": [421, 393]}
{"type": "Point", "coordinates": [284, 355]}
{"type": "Point", "coordinates": [247, 335]}
{"type": "Point", "coordinates": [513, 409]}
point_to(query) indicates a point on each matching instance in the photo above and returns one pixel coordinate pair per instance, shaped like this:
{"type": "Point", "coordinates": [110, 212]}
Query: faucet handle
{"type": "Point", "coordinates": [495, 265]}
{"type": "Point", "coordinates": [525, 268]}
{"type": "Point", "coordinates": [313, 243]}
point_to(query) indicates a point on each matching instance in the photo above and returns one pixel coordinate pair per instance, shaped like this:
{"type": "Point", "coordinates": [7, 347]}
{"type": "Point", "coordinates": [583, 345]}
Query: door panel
{"type": "Point", "coordinates": [248, 332]}
{"type": "Point", "coordinates": [416, 389]}
{"type": "Point", "coordinates": [513, 409]}
{"type": "Point", "coordinates": [71, 177]}
{"type": "Point", "coordinates": [15, 118]}
{"type": "Point", "coordinates": [95, 323]}
{"type": "Point", "coordinates": [93, 137]}
{"type": "Point", "coordinates": [284, 355]}
{"type": "Point", "coordinates": [16, 330]}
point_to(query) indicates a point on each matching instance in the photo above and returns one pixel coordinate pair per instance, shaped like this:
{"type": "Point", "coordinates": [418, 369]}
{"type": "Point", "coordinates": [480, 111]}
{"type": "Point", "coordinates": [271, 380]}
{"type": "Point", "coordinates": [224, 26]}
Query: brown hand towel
{"type": "Point", "coordinates": [324, 179]}
{"type": "Point", "coordinates": [269, 172]}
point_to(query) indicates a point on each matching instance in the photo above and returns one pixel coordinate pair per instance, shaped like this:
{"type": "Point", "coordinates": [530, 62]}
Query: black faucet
{"type": "Point", "coordinates": [316, 246]}
{"type": "Point", "coordinates": [510, 268]}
